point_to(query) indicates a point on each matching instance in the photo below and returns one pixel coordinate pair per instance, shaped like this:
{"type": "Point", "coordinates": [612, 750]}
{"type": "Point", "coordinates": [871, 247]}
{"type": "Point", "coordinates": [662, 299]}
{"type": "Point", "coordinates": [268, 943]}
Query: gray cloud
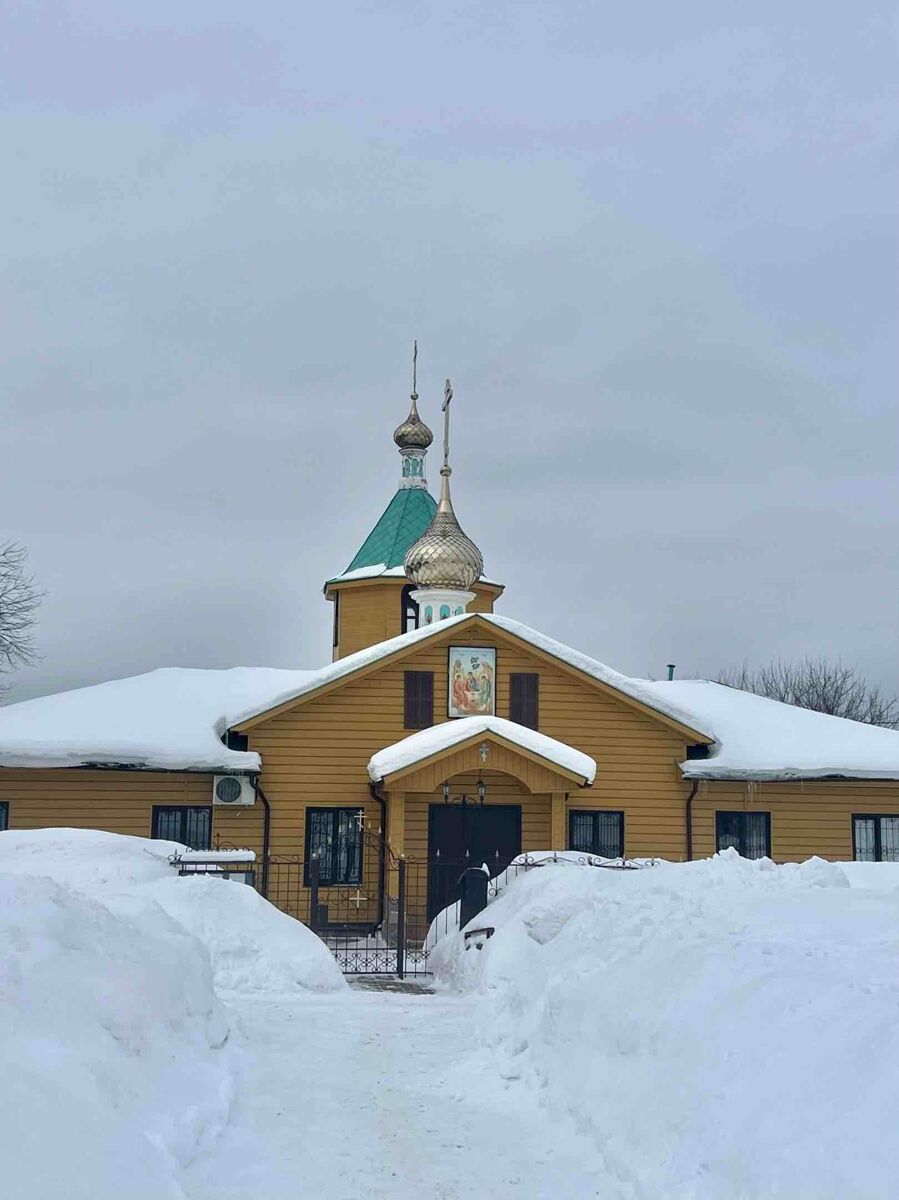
{"type": "Point", "coordinates": [655, 248]}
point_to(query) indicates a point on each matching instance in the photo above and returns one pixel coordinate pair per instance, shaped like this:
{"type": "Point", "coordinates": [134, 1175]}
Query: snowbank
{"type": "Point", "coordinates": [86, 859]}
{"type": "Point", "coordinates": [723, 1028]}
{"type": "Point", "coordinates": [253, 946]}
{"type": "Point", "coordinates": [878, 875]}
{"type": "Point", "coordinates": [113, 1041]}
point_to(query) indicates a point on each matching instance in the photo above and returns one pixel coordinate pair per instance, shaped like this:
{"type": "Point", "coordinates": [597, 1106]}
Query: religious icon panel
{"type": "Point", "coordinates": [472, 681]}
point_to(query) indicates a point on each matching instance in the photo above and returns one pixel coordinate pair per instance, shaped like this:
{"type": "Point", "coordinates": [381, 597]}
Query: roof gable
{"type": "Point", "coordinates": [403, 522]}
{"type": "Point", "coordinates": [633, 692]}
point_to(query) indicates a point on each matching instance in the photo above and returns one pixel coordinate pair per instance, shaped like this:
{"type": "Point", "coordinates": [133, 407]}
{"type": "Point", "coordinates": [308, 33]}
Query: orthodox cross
{"type": "Point", "coordinates": [447, 396]}
{"type": "Point", "coordinates": [415, 369]}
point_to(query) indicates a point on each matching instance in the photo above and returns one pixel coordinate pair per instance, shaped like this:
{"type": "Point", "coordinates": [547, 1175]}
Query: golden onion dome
{"type": "Point", "coordinates": [443, 557]}
{"type": "Point", "coordinates": [413, 434]}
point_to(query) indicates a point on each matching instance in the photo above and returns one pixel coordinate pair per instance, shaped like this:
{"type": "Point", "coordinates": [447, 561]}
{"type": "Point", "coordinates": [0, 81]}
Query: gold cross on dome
{"type": "Point", "coordinates": [447, 396]}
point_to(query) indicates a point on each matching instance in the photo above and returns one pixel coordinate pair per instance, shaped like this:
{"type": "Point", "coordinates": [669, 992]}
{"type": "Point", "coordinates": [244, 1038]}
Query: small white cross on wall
{"type": "Point", "coordinates": [358, 899]}
{"type": "Point", "coordinates": [360, 819]}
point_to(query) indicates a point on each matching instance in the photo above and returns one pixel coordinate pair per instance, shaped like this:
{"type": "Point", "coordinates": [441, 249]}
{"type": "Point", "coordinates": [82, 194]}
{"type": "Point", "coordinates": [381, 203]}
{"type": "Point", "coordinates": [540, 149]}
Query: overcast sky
{"type": "Point", "coordinates": [654, 245]}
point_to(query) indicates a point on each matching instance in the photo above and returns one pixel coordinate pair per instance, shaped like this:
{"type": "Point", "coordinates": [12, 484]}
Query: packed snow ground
{"type": "Point", "coordinates": [719, 1030]}
{"type": "Point", "coordinates": [371, 1096]}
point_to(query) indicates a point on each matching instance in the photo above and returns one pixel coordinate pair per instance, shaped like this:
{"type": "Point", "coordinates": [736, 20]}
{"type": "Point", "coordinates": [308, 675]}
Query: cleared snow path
{"type": "Point", "coordinates": [366, 1094]}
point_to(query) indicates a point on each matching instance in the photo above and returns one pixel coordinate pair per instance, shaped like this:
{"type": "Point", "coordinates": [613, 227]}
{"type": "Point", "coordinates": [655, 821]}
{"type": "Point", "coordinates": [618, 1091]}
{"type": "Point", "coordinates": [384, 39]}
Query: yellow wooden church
{"type": "Point", "coordinates": [443, 733]}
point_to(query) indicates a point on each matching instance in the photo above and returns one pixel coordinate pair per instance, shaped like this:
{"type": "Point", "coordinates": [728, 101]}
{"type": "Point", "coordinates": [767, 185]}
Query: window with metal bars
{"type": "Point", "coordinates": [875, 838]}
{"type": "Point", "coordinates": [596, 831]}
{"type": "Point", "coordinates": [524, 698]}
{"type": "Point", "coordinates": [190, 825]}
{"type": "Point", "coordinates": [418, 699]}
{"type": "Point", "coordinates": [334, 837]}
{"type": "Point", "coordinates": [749, 833]}
{"type": "Point", "coordinates": [4, 815]}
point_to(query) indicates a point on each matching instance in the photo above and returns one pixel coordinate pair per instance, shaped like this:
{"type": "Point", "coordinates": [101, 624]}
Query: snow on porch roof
{"type": "Point", "coordinates": [444, 736]}
{"type": "Point", "coordinates": [757, 738]}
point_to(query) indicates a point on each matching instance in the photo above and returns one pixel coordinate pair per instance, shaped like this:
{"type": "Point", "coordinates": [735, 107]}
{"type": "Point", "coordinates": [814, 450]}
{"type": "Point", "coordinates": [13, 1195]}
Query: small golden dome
{"type": "Point", "coordinates": [413, 434]}
{"type": "Point", "coordinates": [443, 557]}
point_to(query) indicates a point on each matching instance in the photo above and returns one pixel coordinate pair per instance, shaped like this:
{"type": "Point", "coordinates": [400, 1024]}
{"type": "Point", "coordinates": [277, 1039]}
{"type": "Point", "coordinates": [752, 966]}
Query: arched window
{"type": "Point", "coordinates": [459, 611]}
{"type": "Point", "coordinates": [408, 609]}
{"type": "Point", "coordinates": [444, 611]}
{"type": "Point", "coordinates": [429, 615]}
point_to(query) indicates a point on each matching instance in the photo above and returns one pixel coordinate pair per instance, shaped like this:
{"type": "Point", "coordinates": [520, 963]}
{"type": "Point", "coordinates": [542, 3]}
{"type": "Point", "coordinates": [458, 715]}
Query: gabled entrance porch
{"type": "Point", "coordinates": [470, 793]}
{"type": "Point", "coordinates": [467, 793]}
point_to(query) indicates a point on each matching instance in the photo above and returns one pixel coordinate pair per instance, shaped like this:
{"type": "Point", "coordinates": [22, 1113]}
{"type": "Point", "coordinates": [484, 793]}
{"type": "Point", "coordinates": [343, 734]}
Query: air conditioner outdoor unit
{"type": "Point", "coordinates": [234, 790]}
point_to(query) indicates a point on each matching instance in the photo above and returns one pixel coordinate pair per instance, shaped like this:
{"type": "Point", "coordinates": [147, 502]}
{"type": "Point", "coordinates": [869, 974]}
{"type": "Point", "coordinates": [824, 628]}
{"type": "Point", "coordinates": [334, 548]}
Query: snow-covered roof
{"type": "Point", "coordinates": [171, 719]}
{"type": "Point", "coordinates": [757, 738]}
{"type": "Point", "coordinates": [425, 743]}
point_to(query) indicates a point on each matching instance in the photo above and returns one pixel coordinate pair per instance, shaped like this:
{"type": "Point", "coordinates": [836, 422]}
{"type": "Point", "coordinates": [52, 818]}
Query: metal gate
{"type": "Point", "coordinates": [371, 912]}
{"type": "Point", "coordinates": [377, 912]}
{"type": "Point", "coordinates": [379, 923]}
{"type": "Point", "coordinates": [394, 932]}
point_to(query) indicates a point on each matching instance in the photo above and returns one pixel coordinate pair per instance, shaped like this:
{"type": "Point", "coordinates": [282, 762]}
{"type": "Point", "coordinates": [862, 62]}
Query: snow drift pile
{"type": "Point", "coordinates": [722, 1029]}
{"type": "Point", "coordinates": [117, 1071]}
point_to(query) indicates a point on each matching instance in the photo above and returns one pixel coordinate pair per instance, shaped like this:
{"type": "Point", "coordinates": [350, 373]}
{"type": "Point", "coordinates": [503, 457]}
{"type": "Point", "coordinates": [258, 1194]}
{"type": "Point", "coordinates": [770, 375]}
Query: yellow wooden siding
{"type": "Point", "coordinates": [370, 611]}
{"type": "Point", "coordinates": [318, 752]}
{"type": "Point", "coordinates": [807, 817]}
{"type": "Point", "coordinates": [118, 801]}
{"type": "Point", "coordinates": [367, 615]}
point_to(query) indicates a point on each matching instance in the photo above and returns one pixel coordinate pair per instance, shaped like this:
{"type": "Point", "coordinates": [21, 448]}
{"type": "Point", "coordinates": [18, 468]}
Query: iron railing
{"type": "Point", "coordinates": [386, 921]}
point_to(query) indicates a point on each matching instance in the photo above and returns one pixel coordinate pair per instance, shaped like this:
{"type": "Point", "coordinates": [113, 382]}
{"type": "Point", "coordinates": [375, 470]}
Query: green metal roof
{"type": "Point", "coordinates": [403, 522]}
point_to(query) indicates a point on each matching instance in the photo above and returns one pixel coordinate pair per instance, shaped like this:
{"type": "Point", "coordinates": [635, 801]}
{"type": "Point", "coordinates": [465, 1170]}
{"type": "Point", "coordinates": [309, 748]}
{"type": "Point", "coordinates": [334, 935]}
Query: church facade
{"type": "Point", "coordinates": [442, 732]}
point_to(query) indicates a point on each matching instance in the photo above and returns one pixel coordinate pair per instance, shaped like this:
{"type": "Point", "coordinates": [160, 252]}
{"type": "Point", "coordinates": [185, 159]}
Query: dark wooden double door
{"type": "Point", "coordinates": [467, 835]}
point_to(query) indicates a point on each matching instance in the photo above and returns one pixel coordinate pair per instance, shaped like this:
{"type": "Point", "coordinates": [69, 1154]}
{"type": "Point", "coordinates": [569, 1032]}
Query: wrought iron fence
{"type": "Point", "coordinates": [386, 913]}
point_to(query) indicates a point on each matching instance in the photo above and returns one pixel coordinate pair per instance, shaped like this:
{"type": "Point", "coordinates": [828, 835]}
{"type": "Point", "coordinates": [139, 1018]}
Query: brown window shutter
{"type": "Point", "coordinates": [426, 699]}
{"type": "Point", "coordinates": [524, 690]}
{"type": "Point", "coordinates": [418, 699]}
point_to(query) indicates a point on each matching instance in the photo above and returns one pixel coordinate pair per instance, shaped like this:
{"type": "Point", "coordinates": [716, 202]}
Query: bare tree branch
{"type": "Point", "coordinates": [816, 683]}
{"type": "Point", "coordinates": [19, 602]}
